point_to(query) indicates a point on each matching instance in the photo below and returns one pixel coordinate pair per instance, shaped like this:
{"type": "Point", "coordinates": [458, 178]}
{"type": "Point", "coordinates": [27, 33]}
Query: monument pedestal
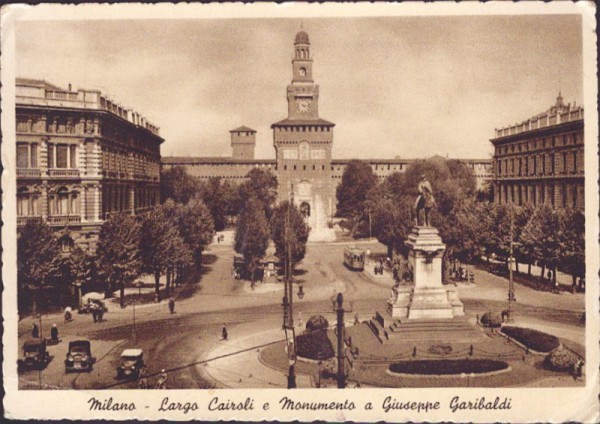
{"type": "Point", "coordinates": [427, 298]}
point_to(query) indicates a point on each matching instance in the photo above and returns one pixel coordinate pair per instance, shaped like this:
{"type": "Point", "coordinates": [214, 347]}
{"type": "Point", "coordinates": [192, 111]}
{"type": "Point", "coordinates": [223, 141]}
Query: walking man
{"type": "Point", "coordinates": [35, 331]}
{"type": "Point", "coordinates": [172, 305]}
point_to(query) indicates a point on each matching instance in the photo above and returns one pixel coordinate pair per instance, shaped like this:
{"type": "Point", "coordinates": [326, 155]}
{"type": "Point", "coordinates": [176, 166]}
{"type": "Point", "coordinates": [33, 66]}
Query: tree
{"type": "Point", "coordinates": [390, 221]}
{"type": "Point", "coordinates": [177, 184]}
{"type": "Point", "coordinates": [573, 256]}
{"type": "Point", "coordinates": [221, 198]}
{"type": "Point", "coordinates": [289, 232]}
{"type": "Point", "coordinates": [358, 179]}
{"type": "Point", "coordinates": [157, 244]}
{"type": "Point", "coordinates": [543, 238]}
{"type": "Point", "coordinates": [252, 235]}
{"type": "Point", "coordinates": [118, 251]}
{"type": "Point", "coordinates": [197, 229]}
{"type": "Point", "coordinates": [38, 256]}
{"type": "Point", "coordinates": [261, 185]}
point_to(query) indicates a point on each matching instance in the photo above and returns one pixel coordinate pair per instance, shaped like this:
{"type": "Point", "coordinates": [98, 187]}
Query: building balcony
{"type": "Point", "coordinates": [60, 220]}
{"type": "Point", "coordinates": [63, 173]}
{"type": "Point", "coordinates": [29, 173]}
{"type": "Point", "coordinates": [22, 220]}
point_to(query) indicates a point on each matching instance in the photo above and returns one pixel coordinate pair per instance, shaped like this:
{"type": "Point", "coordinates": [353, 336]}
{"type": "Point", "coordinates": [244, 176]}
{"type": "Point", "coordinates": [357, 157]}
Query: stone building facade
{"type": "Point", "coordinates": [80, 157]}
{"type": "Point", "coordinates": [541, 160]}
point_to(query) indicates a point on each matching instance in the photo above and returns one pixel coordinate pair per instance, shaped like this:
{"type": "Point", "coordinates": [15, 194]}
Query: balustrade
{"type": "Point", "coordinates": [28, 173]}
{"type": "Point", "coordinates": [64, 219]}
{"type": "Point", "coordinates": [60, 172]}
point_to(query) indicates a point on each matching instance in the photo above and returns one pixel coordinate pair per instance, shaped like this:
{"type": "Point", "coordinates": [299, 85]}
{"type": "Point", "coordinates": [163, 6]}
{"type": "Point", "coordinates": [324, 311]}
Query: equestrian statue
{"type": "Point", "coordinates": [425, 201]}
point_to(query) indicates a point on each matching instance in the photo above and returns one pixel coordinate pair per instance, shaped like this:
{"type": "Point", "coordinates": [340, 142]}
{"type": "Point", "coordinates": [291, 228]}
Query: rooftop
{"type": "Point", "coordinates": [243, 129]}
{"type": "Point", "coordinates": [292, 122]}
{"type": "Point", "coordinates": [559, 113]}
{"type": "Point", "coordinates": [34, 92]}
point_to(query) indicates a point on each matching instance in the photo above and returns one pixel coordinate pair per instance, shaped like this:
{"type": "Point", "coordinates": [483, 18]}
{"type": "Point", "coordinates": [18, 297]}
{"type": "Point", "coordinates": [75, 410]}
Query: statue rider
{"type": "Point", "coordinates": [425, 201]}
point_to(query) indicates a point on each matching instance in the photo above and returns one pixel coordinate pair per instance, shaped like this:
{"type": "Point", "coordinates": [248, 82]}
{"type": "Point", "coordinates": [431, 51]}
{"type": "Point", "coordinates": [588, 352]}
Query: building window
{"type": "Point", "coordinates": [22, 155]}
{"type": "Point", "coordinates": [574, 163]}
{"type": "Point", "coordinates": [27, 202]}
{"type": "Point", "coordinates": [73, 152]}
{"type": "Point", "coordinates": [61, 156]}
{"type": "Point", "coordinates": [564, 162]}
{"type": "Point", "coordinates": [534, 165]}
{"type": "Point", "coordinates": [543, 164]}
{"type": "Point", "coordinates": [564, 195]}
{"type": "Point", "coordinates": [552, 164]}
{"type": "Point", "coordinates": [534, 195]}
{"type": "Point", "coordinates": [574, 196]}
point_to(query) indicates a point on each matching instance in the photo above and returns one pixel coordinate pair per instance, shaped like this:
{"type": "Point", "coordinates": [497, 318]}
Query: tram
{"type": "Point", "coordinates": [354, 258]}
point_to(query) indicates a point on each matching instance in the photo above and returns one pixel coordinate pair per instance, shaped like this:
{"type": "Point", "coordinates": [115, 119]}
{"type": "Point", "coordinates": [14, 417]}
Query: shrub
{"type": "Point", "coordinates": [448, 366]}
{"type": "Point", "coordinates": [490, 319]}
{"type": "Point", "coordinates": [314, 345]}
{"type": "Point", "coordinates": [532, 339]}
{"type": "Point", "coordinates": [317, 322]}
{"type": "Point", "coordinates": [560, 359]}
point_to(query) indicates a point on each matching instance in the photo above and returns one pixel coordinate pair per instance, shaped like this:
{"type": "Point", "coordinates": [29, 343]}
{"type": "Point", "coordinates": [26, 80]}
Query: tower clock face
{"type": "Point", "coordinates": [303, 105]}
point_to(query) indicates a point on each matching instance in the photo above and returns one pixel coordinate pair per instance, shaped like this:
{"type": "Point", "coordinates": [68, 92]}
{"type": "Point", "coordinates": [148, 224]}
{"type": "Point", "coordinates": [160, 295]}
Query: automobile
{"type": "Point", "coordinates": [35, 355]}
{"type": "Point", "coordinates": [500, 269]}
{"type": "Point", "coordinates": [92, 304]}
{"type": "Point", "coordinates": [132, 362]}
{"type": "Point", "coordinates": [79, 356]}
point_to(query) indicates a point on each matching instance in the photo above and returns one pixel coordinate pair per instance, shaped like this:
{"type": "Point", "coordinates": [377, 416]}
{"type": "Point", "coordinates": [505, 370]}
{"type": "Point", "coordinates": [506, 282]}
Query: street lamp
{"type": "Point", "coordinates": [288, 312]}
{"type": "Point", "coordinates": [511, 259]}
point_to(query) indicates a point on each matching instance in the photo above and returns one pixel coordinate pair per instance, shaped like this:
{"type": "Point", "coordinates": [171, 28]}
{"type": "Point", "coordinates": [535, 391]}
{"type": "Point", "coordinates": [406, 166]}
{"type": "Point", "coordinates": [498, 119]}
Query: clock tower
{"type": "Point", "coordinates": [303, 144]}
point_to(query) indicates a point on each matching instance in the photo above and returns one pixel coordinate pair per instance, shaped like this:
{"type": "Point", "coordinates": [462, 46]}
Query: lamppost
{"type": "Point", "coordinates": [511, 259]}
{"type": "Point", "coordinates": [288, 314]}
{"type": "Point", "coordinates": [338, 307]}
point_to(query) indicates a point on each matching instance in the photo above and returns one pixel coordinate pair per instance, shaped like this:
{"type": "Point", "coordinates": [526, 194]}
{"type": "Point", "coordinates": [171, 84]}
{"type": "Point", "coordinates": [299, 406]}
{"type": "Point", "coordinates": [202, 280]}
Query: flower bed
{"type": "Point", "coordinates": [448, 367]}
{"type": "Point", "coordinates": [314, 345]}
{"type": "Point", "coordinates": [532, 339]}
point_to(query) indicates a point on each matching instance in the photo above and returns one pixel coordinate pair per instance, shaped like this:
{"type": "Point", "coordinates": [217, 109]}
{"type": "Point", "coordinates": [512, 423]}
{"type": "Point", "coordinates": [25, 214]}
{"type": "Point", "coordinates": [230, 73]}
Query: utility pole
{"type": "Point", "coordinates": [511, 285]}
{"type": "Point", "coordinates": [339, 309]}
{"type": "Point", "coordinates": [288, 318]}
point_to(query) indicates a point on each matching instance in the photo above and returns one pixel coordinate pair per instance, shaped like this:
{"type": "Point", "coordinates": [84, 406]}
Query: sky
{"type": "Point", "coordinates": [408, 87]}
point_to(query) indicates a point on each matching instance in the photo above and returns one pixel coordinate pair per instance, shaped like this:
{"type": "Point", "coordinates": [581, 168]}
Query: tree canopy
{"type": "Point", "coordinates": [118, 251]}
{"type": "Point", "coordinates": [358, 179]}
{"type": "Point", "coordinates": [252, 235]}
{"type": "Point", "coordinates": [177, 184]}
{"type": "Point", "coordinates": [289, 230]}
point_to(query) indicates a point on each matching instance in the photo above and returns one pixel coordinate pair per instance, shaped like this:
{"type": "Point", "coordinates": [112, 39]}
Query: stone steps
{"type": "Point", "coordinates": [458, 329]}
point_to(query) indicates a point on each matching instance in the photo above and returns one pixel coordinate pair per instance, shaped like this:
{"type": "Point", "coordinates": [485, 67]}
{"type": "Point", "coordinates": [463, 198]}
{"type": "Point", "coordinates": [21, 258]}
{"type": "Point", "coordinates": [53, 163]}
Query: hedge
{"type": "Point", "coordinates": [448, 366]}
{"type": "Point", "coordinates": [490, 319]}
{"type": "Point", "coordinates": [317, 322]}
{"type": "Point", "coordinates": [314, 345]}
{"type": "Point", "coordinates": [532, 339]}
{"type": "Point", "coordinates": [560, 359]}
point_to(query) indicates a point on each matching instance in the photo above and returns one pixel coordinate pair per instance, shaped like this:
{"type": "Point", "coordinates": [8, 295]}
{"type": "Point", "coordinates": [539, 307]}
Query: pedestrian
{"type": "Point", "coordinates": [94, 310]}
{"type": "Point", "coordinates": [142, 380]}
{"type": "Point", "coordinates": [162, 380]}
{"type": "Point", "coordinates": [35, 331]}
{"type": "Point", "coordinates": [54, 333]}
{"type": "Point", "coordinates": [224, 333]}
{"type": "Point", "coordinates": [172, 305]}
{"type": "Point", "coordinates": [556, 289]}
{"type": "Point", "coordinates": [579, 370]}
{"type": "Point", "coordinates": [100, 313]}
{"type": "Point", "coordinates": [505, 315]}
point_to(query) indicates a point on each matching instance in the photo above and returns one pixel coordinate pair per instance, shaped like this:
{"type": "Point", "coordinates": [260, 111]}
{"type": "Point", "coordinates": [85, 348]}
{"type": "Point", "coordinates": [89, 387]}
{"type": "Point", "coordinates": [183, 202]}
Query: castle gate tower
{"type": "Point", "coordinates": [303, 144]}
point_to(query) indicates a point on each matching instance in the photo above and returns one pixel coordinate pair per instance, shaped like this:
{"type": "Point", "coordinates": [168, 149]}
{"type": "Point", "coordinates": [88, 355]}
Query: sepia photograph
{"type": "Point", "coordinates": [385, 201]}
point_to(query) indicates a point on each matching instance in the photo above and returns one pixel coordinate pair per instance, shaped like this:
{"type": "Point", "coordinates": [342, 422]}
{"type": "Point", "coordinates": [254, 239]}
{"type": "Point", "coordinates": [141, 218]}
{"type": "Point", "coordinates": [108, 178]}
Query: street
{"type": "Point", "coordinates": [188, 345]}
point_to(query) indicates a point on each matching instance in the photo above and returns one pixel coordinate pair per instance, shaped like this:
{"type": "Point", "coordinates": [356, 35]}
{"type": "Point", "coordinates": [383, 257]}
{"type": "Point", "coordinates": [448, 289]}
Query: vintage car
{"type": "Point", "coordinates": [35, 355]}
{"type": "Point", "coordinates": [79, 356]}
{"type": "Point", "coordinates": [91, 304]}
{"type": "Point", "coordinates": [132, 362]}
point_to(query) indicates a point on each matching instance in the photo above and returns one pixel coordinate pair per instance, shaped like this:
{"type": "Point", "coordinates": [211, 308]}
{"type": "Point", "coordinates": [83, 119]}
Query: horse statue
{"type": "Point", "coordinates": [425, 201]}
